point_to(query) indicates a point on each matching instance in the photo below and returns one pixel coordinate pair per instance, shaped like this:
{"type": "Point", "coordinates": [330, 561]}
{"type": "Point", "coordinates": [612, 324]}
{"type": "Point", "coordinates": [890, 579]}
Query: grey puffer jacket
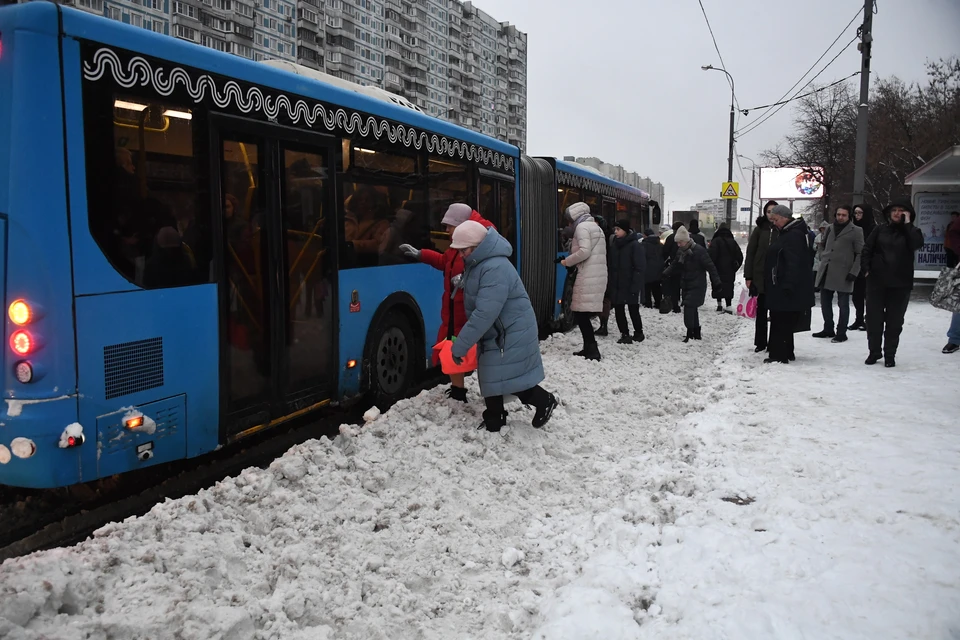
{"type": "Point", "coordinates": [500, 320]}
{"type": "Point", "coordinates": [588, 253]}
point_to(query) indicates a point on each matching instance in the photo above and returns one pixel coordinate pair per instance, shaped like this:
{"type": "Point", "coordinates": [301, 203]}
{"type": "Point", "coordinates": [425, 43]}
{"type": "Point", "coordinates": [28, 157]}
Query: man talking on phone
{"type": "Point", "coordinates": [888, 260]}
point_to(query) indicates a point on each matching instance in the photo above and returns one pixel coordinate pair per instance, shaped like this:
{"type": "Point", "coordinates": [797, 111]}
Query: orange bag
{"type": "Point", "coordinates": [448, 366]}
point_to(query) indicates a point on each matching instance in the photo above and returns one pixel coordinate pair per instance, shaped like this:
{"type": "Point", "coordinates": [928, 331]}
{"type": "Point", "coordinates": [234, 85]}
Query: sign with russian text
{"type": "Point", "coordinates": [933, 216]}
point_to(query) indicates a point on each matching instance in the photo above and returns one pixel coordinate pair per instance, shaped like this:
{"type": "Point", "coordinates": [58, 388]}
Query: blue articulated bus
{"type": "Point", "coordinates": [197, 247]}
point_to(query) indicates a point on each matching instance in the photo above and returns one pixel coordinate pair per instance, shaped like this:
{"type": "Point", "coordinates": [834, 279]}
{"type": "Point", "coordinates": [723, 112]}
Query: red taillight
{"type": "Point", "coordinates": [21, 342]}
{"type": "Point", "coordinates": [74, 441]}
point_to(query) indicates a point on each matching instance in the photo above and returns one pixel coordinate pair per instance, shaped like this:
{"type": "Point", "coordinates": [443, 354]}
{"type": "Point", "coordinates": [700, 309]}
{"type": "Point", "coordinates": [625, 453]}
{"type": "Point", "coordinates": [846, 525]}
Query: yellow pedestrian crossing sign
{"type": "Point", "coordinates": [730, 190]}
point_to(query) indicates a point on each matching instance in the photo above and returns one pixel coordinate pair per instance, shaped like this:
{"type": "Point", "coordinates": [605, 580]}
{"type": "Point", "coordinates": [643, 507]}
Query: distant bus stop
{"type": "Point", "coordinates": [935, 193]}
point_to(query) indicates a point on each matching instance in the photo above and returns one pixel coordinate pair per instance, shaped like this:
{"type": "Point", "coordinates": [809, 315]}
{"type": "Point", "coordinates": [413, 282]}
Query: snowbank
{"type": "Point", "coordinates": [610, 523]}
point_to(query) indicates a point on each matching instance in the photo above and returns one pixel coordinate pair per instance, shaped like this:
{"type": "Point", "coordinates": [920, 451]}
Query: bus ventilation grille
{"type": "Point", "coordinates": [132, 366]}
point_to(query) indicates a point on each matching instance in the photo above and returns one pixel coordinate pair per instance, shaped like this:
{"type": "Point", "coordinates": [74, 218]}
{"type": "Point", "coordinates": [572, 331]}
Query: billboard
{"type": "Point", "coordinates": [789, 183]}
{"type": "Point", "coordinates": [933, 216]}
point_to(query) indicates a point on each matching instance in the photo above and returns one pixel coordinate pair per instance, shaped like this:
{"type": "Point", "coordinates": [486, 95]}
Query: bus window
{"type": "Point", "coordinates": [143, 189]}
{"type": "Point", "coordinates": [566, 196]}
{"type": "Point", "coordinates": [508, 213]}
{"type": "Point", "coordinates": [448, 183]}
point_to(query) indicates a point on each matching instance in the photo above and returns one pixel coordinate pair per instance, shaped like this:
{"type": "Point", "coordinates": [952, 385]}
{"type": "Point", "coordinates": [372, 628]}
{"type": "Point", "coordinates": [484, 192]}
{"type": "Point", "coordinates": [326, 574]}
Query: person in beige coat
{"type": "Point", "coordinates": [588, 253]}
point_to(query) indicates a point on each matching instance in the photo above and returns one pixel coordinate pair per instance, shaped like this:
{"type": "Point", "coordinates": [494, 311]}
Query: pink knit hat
{"type": "Point", "coordinates": [457, 213]}
{"type": "Point", "coordinates": [468, 234]}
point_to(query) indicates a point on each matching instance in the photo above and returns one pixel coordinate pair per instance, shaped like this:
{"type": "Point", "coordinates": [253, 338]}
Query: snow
{"type": "Point", "coordinates": [74, 430]}
{"type": "Point", "coordinates": [680, 491]}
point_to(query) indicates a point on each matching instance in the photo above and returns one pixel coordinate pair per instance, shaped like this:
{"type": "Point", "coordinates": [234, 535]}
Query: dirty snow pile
{"type": "Point", "coordinates": [681, 491]}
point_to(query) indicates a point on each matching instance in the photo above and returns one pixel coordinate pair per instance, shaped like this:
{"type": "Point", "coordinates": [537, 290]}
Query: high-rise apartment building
{"type": "Point", "coordinates": [448, 57]}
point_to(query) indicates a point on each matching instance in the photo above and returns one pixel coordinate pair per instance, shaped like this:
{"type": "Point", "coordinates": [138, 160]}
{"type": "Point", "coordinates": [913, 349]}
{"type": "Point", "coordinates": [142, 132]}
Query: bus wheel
{"type": "Point", "coordinates": [393, 365]}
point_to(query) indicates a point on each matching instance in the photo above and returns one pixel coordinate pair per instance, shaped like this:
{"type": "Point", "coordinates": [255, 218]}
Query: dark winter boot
{"type": "Point", "coordinates": [602, 331]}
{"type": "Point", "coordinates": [625, 339]}
{"type": "Point", "coordinates": [689, 335]}
{"type": "Point", "coordinates": [696, 334]}
{"type": "Point", "coordinates": [457, 393]}
{"type": "Point", "coordinates": [719, 307]}
{"type": "Point", "coordinates": [493, 421]}
{"type": "Point", "coordinates": [873, 358]}
{"type": "Point", "coordinates": [592, 353]}
{"type": "Point", "coordinates": [890, 361]}
{"type": "Point", "coordinates": [542, 415]}
{"type": "Point", "coordinates": [638, 336]}
{"type": "Point", "coordinates": [826, 333]}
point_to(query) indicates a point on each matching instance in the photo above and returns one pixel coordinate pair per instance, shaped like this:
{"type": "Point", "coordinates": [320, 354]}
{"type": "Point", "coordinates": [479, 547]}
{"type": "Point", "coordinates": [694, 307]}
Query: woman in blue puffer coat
{"type": "Point", "coordinates": [501, 322]}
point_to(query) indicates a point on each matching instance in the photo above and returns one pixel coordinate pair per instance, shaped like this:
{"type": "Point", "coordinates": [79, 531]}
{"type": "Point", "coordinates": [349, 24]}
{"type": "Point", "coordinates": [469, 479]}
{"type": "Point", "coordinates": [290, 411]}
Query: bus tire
{"type": "Point", "coordinates": [396, 359]}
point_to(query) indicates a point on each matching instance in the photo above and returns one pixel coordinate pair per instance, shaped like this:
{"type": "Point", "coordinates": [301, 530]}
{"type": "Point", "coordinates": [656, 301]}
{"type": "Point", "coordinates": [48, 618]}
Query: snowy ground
{"type": "Point", "coordinates": [624, 518]}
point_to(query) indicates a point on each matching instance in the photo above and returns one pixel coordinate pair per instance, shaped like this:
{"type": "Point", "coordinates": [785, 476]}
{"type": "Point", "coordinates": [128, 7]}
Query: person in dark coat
{"type": "Point", "coordinates": [839, 267]}
{"type": "Point", "coordinates": [788, 282]}
{"type": "Point", "coordinates": [696, 235]}
{"type": "Point", "coordinates": [501, 322]}
{"type": "Point", "coordinates": [169, 266]}
{"type": "Point", "coordinates": [760, 240]}
{"type": "Point", "coordinates": [888, 256]}
{"type": "Point", "coordinates": [671, 284]}
{"type": "Point", "coordinates": [627, 263]}
{"type": "Point", "coordinates": [862, 217]}
{"type": "Point", "coordinates": [691, 265]}
{"type": "Point", "coordinates": [727, 256]}
{"type": "Point", "coordinates": [653, 252]}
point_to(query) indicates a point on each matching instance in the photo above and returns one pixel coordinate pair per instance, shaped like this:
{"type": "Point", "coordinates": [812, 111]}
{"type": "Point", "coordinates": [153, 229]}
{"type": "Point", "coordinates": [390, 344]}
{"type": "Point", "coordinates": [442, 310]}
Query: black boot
{"type": "Point", "coordinates": [689, 335]}
{"type": "Point", "coordinates": [493, 421]}
{"type": "Point", "coordinates": [826, 333]}
{"type": "Point", "coordinates": [457, 393]}
{"type": "Point", "coordinates": [638, 336]}
{"type": "Point", "coordinates": [697, 335]}
{"type": "Point", "coordinates": [719, 307]}
{"type": "Point", "coordinates": [542, 416]}
{"type": "Point", "coordinates": [592, 352]}
{"type": "Point", "coordinates": [873, 358]}
{"type": "Point", "coordinates": [602, 331]}
{"type": "Point", "coordinates": [625, 339]}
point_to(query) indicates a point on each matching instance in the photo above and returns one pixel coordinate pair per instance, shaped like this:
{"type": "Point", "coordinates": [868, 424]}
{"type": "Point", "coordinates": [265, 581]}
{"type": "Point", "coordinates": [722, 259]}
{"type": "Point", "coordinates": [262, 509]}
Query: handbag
{"type": "Point", "coordinates": [447, 363]}
{"type": "Point", "coordinates": [946, 292]}
{"type": "Point", "coordinates": [747, 306]}
{"type": "Point", "coordinates": [666, 304]}
{"type": "Point", "coordinates": [804, 321]}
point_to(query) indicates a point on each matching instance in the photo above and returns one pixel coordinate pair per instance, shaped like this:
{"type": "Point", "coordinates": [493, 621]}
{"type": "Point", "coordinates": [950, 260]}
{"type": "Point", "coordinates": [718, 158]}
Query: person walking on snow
{"type": "Point", "coordinates": [863, 218]}
{"type": "Point", "coordinates": [452, 314]}
{"type": "Point", "coordinates": [839, 267]}
{"type": "Point", "coordinates": [653, 252]}
{"type": "Point", "coordinates": [888, 256]}
{"type": "Point", "coordinates": [501, 322]}
{"type": "Point", "coordinates": [691, 266]}
{"type": "Point", "coordinates": [588, 252]}
{"type": "Point", "coordinates": [727, 256]}
{"type": "Point", "coordinates": [671, 285]}
{"type": "Point", "coordinates": [760, 240]}
{"type": "Point", "coordinates": [788, 282]}
{"type": "Point", "coordinates": [628, 264]}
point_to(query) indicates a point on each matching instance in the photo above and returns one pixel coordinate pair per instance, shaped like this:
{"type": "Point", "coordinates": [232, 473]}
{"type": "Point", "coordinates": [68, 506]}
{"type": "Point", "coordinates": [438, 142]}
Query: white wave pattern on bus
{"type": "Point", "coordinates": [139, 72]}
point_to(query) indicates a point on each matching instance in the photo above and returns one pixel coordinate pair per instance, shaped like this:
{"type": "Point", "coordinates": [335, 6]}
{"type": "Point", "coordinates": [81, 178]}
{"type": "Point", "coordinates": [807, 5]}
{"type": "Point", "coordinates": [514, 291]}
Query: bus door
{"type": "Point", "coordinates": [497, 198]}
{"type": "Point", "coordinates": [609, 208]}
{"type": "Point", "coordinates": [277, 277]}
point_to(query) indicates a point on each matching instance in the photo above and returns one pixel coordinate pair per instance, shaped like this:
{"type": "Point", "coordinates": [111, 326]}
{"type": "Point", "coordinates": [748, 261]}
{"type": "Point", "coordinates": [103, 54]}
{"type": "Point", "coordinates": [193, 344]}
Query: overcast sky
{"type": "Point", "coordinates": [621, 79]}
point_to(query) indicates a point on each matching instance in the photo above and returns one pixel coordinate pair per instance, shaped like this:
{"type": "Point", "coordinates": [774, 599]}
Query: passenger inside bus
{"type": "Point", "coordinates": [367, 219]}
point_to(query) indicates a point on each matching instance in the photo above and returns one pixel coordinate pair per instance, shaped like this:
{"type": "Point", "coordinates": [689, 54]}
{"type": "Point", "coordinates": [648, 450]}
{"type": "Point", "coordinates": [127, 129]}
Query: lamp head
{"type": "Point", "coordinates": [707, 67]}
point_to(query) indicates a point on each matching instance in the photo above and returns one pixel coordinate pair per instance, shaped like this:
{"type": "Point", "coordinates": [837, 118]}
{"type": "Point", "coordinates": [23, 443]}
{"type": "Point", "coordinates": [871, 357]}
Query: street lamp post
{"type": "Point", "coordinates": [753, 180]}
{"type": "Point", "coordinates": [710, 67]}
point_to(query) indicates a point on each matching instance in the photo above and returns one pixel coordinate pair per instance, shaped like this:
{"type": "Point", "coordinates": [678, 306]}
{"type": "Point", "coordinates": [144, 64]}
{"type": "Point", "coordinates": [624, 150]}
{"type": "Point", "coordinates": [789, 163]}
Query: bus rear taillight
{"type": "Point", "coordinates": [20, 312]}
{"type": "Point", "coordinates": [24, 371]}
{"type": "Point", "coordinates": [21, 342]}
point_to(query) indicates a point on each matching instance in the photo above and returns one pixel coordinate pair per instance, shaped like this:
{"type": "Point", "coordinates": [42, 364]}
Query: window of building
{"type": "Point", "coordinates": [159, 26]}
{"type": "Point", "coordinates": [147, 210]}
{"type": "Point", "coordinates": [114, 14]}
{"type": "Point", "coordinates": [186, 33]}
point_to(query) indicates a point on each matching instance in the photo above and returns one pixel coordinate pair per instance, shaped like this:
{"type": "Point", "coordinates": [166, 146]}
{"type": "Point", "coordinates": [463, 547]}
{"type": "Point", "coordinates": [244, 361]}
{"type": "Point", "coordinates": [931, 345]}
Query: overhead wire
{"type": "Point", "coordinates": [809, 93]}
{"type": "Point", "coordinates": [719, 55]}
{"type": "Point", "coordinates": [756, 123]}
{"type": "Point", "coordinates": [812, 67]}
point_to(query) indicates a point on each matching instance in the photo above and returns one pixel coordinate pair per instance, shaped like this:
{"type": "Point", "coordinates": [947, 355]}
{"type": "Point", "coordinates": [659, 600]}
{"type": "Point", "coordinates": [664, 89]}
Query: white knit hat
{"type": "Point", "coordinates": [682, 235]}
{"type": "Point", "coordinates": [456, 214]}
{"type": "Point", "coordinates": [468, 234]}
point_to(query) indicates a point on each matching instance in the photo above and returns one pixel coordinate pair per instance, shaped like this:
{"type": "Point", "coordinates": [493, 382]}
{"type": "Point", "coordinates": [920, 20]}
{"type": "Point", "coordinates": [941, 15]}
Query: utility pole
{"type": "Point", "coordinates": [753, 179]}
{"type": "Point", "coordinates": [863, 111]}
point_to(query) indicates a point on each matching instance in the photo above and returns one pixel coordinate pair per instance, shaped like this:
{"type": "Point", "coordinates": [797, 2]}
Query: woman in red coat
{"type": "Point", "coordinates": [452, 315]}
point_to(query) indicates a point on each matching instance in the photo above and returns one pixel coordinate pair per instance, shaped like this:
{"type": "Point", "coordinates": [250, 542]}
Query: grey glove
{"type": "Point", "coordinates": [409, 251]}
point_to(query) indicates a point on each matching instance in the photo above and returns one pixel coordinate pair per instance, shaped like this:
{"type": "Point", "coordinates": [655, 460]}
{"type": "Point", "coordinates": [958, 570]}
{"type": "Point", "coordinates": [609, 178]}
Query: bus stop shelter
{"type": "Point", "coordinates": [935, 193]}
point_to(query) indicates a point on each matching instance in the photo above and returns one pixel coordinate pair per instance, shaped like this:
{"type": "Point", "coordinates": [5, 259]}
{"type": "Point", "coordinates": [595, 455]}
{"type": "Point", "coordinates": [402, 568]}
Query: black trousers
{"type": "Point", "coordinates": [691, 316]}
{"type": "Point", "coordinates": [886, 308]}
{"type": "Point", "coordinates": [653, 294]}
{"type": "Point", "coordinates": [671, 287]}
{"type": "Point", "coordinates": [952, 258]}
{"type": "Point", "coordinates": [634, 317]}
{"type": "Point", "coordinates": [760, 333]}
{"type": "Point", "coordinates": [782, 324]}
{"type": "Point", "coordinates": [859, 298]}
{"type": "Point", "coordinates": [586, 327]}
{"type": "Point", "coordinates": [534, 397]}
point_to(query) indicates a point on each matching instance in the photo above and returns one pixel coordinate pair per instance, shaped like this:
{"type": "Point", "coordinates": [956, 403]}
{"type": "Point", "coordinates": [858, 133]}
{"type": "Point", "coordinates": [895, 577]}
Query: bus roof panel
{"type": "Point", "coordinates": [587, 175]}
